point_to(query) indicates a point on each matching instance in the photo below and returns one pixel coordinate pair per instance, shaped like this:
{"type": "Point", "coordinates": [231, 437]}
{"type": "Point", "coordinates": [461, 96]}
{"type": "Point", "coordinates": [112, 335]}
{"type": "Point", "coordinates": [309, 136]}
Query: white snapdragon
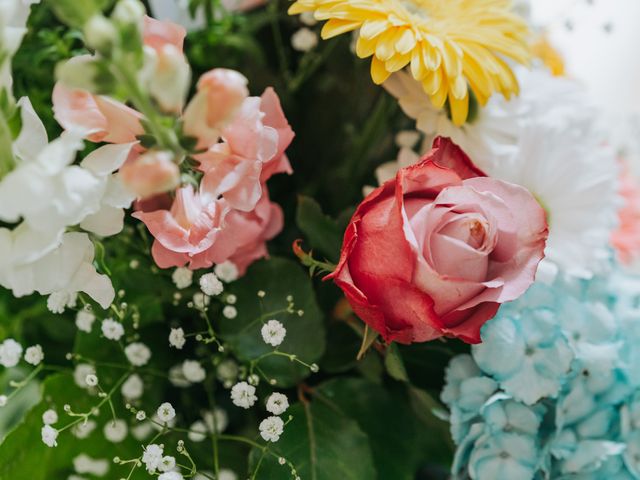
{"type": "Point", "coordinates": [271, 428]}
{"type": "Point", "coordinates": [112, 329]}
{"type": "Point", "coordinates": [10, 353]}
{"type": "Point", "coordinates": [211, 285]}
{"type": "Point", "coordinates": [166, 412]}
{"type": "Point", "coordinates": [243, 395]}
{"type": "Point", "coordinates": [34, 355]}
{"type": "Point", "coordinates": [176, 338]}
{"type": "Point", "coordinates": [193, 371]}
{"type": "Point", "coordinates": [277, 403]}
{"type": "Point", "coordinates": [226, 271]}
{"type": "Point", "coordinates": [152, 456]}
{"type": "Point", "coordinates": [273, 333]}
{"type": "Point", "coordinates": [133, 387]}
{"type": "Point", "coordinates": [49, 436]}
{"type": "Point", "coordinates": [182, 277]}
{"type": "Point", "coordinates": [230, 312]}
{"type": "Point", "coordinates": [50, 417]}
{"type": "Point", "coordinates": [138, 354]}
{"type": "Point", "coordinates": [115, 430]}
{"type": "Point", "coordinates": [84, 320]}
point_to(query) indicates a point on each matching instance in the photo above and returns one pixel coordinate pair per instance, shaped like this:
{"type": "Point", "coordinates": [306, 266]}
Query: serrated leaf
{"type": "Point", "coordinates": [322, 444]}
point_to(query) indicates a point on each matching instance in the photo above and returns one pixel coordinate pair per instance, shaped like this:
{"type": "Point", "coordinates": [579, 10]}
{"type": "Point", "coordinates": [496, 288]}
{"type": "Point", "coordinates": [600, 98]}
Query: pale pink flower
{"type": "Point", "coordinates": [190, 228]}
{"type": "Point", "coordinates": [221, 92]}
{"type": "Point", "coordinates": [252, 151]}
{"type": "Point", "coordinates": [97, 118]}
{"type": "Point", "coordinates": [151, 173]}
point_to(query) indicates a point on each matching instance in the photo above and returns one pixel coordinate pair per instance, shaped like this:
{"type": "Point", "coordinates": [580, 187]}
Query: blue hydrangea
{"type": "Point", "coordinates": [553, 392]}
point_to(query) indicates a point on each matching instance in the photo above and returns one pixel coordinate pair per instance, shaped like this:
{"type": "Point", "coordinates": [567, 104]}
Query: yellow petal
{"type": "Point", "coordinates": [406, 42]}
{"type": "Point", "coordinates": [334, 27]}
{"type": "Point", "coordinates": [378, 71]}
{"type": "Point", "coordinates": [397, 62]}
{"type": "Point", "coordinates": [459, 109]}
{"type": "Point", "coordinates": [365, 48]}
{"type": "Point", "coordinates": [371, 29]}
{"type": "Point", "coordinates": [418, 70]}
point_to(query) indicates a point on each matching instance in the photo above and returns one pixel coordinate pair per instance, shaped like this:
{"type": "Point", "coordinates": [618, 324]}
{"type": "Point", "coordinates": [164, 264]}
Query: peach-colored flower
{"type": "Point", "coordinates": [190, 228]}
{"type": "Point", "coordinates": [96, 117]}
{"type": "Point", "coordinates": [221, 92]}
{"type": "Point", "coordinates": [252, 151]}
{"type": "Point", "coordinates": [626, 238]}
{"type": "Point", "coordinates": [200, 231]}
{"type": "Point", "coordinates": [157, 33]}
{"type": "Point", "coordinates": [151, 173]}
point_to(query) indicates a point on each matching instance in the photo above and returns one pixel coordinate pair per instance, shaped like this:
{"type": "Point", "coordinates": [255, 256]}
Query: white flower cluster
{"type": "Point", "coordinates": [155, 460]}
{"type": "Point", "coordinates": [46, 193]}
{"type": "Point", "coordinates": [11, 352]}
{"type": "Point", "coordinates": [273, 333]}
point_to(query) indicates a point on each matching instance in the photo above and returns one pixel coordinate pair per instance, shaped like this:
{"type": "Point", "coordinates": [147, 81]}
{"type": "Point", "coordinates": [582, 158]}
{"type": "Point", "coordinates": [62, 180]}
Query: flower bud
{"type": "Point", "coordinates": [152, 173]}
{"type": "Point", "coordinates": [220, 94]}
{"type": "Point", "coordinates": [129, 11]}
{"type": "Point", "coordinates": [171, 78]}
{"type": "Point", "coordinates": [100, 33]}
{"type": "Point", "coordinates": [78, 72]}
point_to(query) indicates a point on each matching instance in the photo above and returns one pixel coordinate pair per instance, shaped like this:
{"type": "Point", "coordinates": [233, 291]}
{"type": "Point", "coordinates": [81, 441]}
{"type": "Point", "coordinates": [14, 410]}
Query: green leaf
{"type": "Point", "coordinates": [394, 364]}
{"type": "Point", "coordinates": [322, 231]}
{"type": "Point", "coordinates": [278, 278]}
{"type": "Point", "coordinates": [24, 456]}
{"type": "Point", "coordinates": [370, 336]}
{"type": "Point", "coordinates": [400, 444]}
{"type": "Point", "coordinates": [322, 444]}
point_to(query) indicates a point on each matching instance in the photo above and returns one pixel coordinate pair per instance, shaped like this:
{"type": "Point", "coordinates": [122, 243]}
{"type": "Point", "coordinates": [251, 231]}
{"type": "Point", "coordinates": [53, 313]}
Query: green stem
{"type": "Point", "coordinates": [7, 161]}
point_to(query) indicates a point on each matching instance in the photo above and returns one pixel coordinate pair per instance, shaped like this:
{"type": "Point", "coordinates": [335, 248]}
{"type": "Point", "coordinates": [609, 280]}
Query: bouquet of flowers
{"type": "Point", "coordinates": [231, 248]}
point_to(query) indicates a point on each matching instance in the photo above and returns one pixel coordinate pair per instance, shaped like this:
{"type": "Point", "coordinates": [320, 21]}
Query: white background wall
{"type": "Point", "coordinates": [609, 63]}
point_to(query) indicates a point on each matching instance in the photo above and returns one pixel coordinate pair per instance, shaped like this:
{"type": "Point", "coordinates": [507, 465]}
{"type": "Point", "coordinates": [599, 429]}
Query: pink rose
{"type": "Point", "coordinates": [221, 92]}
{"type": "Point", "coordinates": [435, 251]}
{"type": "Point", "coordinates": [252, 151]}
{"type": "Point", "coordinates": [201, 231]}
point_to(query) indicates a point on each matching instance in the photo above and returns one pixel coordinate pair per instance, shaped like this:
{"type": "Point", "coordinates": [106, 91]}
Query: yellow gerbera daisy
{"type": "Point", "coordinates": [450, 45]}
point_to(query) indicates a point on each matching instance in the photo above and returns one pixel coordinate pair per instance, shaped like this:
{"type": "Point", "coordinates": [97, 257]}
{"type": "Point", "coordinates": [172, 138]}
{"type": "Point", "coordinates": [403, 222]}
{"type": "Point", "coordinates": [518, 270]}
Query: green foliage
{"type": "Point", "coordinates": [322, 231]}
{"type": "Point", "coordinates": [322, 443]}
{"type": "Point", "coordinates": [279, 279]}
{"type": "Point", "coordinates": [39, 462]}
